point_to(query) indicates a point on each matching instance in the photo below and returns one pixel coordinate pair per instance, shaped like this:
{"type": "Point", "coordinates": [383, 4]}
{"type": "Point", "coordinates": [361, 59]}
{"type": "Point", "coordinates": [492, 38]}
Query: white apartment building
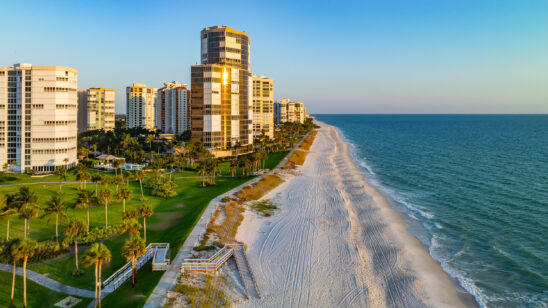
{"type": "Point", "coordinates": [288, 111]}
{"type": "Point", "coordinates": [96, 109]}
{"type": "Point", "coordinates": [173, 108]}
{"type": "Point", "coordinates": [38, 117]}
{"type": "Point", "coordinates": [140, 108]}
{"type": "Point", "coordinates": [263, 106]}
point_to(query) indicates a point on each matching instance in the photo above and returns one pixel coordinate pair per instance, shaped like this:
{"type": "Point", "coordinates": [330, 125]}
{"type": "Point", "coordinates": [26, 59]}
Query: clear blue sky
{"type": "Point", "coordinates": [337, 57]}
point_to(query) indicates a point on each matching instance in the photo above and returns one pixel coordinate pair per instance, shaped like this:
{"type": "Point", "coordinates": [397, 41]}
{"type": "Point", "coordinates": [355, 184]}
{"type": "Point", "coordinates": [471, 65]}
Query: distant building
{"type": "Point", "coordinates": [173, 108]}
{"type": "Point", "coordinates": [263, 106]}
{"type": "Point", "coordinates": [140, 101]}
{"type": "Point", "coordinates": [288, 111]}
{"type": "Point", "coordinates": [38, 117]}
{"type": "Point", "coordinates": [221, 104]}
{"type": "Point", "coordinates": [96, 109]}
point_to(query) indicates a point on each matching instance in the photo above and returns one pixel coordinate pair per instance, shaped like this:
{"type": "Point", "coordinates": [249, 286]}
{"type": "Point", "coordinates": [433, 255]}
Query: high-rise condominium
{"type": "Point", "coordinates": [96, 109]}
{"type": "Point", "coordinates": [288, 111]}
{"type": "Point", "coordinates": [221, 105]}
{"type": "Point", "coordinates": [140, 102]}
{"type": "Point", "coordinates": [38, 114]}
{"type": "Point", "coordinates": [173, 108]}
{"type": "Point", "coordinates": [263, 106]}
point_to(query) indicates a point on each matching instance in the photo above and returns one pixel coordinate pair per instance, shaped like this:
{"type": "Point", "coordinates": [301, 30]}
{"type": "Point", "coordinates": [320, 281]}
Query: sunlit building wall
{"type": "Point", "coordinates": [288, 111]}
{"type": "Point", "coordinates": [140, 101]}
{"type": "Point", "coordinates": [38, 117]}
{"type": "Point", "coordinates": [263, 106]}
{"type": "Point", "coordinates": [173, 108]}
{"type": "Point", "coordinates": [221, 91]}
{"type": "Point", "coordinates": [96, 109]}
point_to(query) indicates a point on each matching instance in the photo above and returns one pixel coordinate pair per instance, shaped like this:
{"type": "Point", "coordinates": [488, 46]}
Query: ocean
{"type": "Point", "coordinates": [472, 188]}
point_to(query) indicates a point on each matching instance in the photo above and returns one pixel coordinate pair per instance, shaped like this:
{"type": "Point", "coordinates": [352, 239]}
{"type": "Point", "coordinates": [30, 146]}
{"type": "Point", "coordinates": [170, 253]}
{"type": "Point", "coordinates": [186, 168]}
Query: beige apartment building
{"type": "Point", "coordinates": [288, 111]}
{"type": "Point", "coordinates": [221, 92]}
{"type": "Point", "coordinates": [38, 117]}
{"type": "Point", "coordinates": [263, 106]}
{"type": "Point", "coordinates": [96, 109]}
{"type": "Point", "coordinates": [140, 101]}
{"type": "Point", "coordinates": [173, 108]}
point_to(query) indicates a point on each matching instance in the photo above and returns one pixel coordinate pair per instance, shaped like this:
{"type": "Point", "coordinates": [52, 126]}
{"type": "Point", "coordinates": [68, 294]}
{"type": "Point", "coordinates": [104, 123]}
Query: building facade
{"type": "Point", "coordinates": [173, 108]}
{"type": "Point", "coordinates": [140, 101]}
{"type": "Point", "coordinates": [263, 106]}
{"type": "Point", "coordinates": [221, 95]}
{"type": "Point", "coordinates": [96, 109]}
{"type": "Point", "coordinates": [288, 111]}
{"type": "Point", "coordinates": [38, 117]}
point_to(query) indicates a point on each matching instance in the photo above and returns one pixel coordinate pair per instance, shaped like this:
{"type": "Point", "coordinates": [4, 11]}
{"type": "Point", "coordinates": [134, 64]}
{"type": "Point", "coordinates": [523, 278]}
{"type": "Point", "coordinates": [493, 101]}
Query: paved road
{"type": "Point", "coordinates": [48, 282]}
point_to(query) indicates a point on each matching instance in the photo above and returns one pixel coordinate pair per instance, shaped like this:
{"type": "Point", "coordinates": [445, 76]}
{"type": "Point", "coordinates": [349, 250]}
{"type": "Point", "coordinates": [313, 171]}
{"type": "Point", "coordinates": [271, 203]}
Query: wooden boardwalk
{"type": "Point", "coordinates": [157, 252]}
{"type": "Point", "coordinates": [216, 261]}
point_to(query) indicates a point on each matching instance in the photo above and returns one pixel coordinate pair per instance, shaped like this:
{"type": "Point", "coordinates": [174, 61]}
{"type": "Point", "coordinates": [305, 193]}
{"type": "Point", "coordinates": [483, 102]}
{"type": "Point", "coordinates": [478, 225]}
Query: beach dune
{"type": "Point", "coordinates": [336, 242]}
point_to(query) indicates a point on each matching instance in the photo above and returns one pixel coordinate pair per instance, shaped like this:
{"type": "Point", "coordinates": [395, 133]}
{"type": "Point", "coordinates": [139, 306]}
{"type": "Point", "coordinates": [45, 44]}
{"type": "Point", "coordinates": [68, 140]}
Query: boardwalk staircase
{"type": "Point", "coordinates": [216, 261]}
{"type": "Point", "coordinates": [157, 252]}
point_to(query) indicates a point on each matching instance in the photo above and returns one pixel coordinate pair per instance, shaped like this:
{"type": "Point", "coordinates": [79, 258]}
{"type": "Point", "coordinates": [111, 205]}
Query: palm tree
{"type": "Point", "coordinates": [94, 150]}
{"type": "Point", "coordinates": [56, 206]}
{"type": "Point", "coordinates": [140, 175]}
{"type": "Point", "coordinates": [7, 211]}
{"type": "Point", "coordinates": [145, 211]}
{"type": "Point", "coordinates": [132, 226]}
{"type": "Point", "coordinates": [233, 166]}
{"type": "Point", "coordinates": [61, 172]}
{"type": "Point", "coordinates": [16, 255]}
{"type": "Point", "coordinates": [75, 227]}
{"type": "Point", "coordinates": [124, 194]}
{"type": "Point", "coordinates": [116, 164]}
{"type": "Point", "coordinates": [119, 180]}
{"type": "Point", "coordinates": [83, 200]}
{"type": "Point", "coordinates": [96, 178]}
{"type": "Point", "coordinates": [105, 195]}
{"type": "Point", "coordinates": [202, 169]}
{"type": "Point", "coordinates": [83, 176]}
{"type": "Point", "coordinates": [27, 202]}
{"type": "Point", "coordinates": [133, 248]}
{"type": "Point", "coordinates": [23, 250]}
{"type": "Point", "coordinates": [97, 255]}
{"type": "Point", "coordinates": [105, 181]}
{"type": "Point", "coordinates": [128, 175]}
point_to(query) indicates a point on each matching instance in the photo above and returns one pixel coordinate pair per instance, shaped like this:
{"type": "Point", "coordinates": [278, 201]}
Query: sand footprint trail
{"type": "Point", "coordinates": [335, 242]}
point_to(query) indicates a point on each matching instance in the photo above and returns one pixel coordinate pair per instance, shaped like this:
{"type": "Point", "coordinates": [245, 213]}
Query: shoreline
{"type": "Point", "coordinates": [466, 296]}
{"type": "Point", "coordinates": [335, 226]}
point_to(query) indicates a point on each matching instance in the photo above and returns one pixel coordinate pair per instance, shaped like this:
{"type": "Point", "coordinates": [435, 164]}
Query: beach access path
{"type": "Point", "coordinates": [47, 282]}
{"type": "Point", "coordinates": [170, 279]}
{"type": "Point", "coordinates": [336, 242]}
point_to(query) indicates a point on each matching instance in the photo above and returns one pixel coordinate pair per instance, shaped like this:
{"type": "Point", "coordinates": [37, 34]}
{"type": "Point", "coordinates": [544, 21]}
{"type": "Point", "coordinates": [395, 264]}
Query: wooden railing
{"type": "Point", "coordinates": [123, 273]}
{"type": "Point", "coordinates": [213, 263]}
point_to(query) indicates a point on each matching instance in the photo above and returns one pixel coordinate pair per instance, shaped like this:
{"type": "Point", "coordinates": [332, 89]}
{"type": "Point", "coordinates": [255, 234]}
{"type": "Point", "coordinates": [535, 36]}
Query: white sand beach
{"type": "Point", "coordinates": [336, 242]}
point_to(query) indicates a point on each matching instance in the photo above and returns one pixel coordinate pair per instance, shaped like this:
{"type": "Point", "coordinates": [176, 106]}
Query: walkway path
{"type": "Point", "coordinates": [48, 282]}
{"type": "Point", "coordinates": [250, 285]}
{"type": "Point", "coordinates": [169, 280]}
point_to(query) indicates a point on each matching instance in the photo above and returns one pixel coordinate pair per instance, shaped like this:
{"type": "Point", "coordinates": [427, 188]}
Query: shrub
{"type": "Point", "coordinates": [259, 189]}
{"type": "Point", "coordinates": [264, 207]}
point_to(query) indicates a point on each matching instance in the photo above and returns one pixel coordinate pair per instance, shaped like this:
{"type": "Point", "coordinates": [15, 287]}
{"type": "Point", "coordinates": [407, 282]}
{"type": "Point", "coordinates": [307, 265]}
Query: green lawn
{"type": "Point", "coordinates": [37, 296]}
{"type": "Point", "coordinates": [17, 178]}
{"type": "Point", "coordinates": [172, 221]}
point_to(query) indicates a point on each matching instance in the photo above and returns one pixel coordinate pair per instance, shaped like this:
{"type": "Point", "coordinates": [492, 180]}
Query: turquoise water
{"type": "Point", "coordinates": [472, 188]}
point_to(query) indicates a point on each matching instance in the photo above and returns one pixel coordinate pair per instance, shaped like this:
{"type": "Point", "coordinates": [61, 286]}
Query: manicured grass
{"type": "Point", "coordinates": [18, 178]}
{"type": "Point", "coordinates": [37, 295]}
{"type": "Point", "coordinates": [173, 220]}
{"type": "Point", "coordinates": [126, 296]}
